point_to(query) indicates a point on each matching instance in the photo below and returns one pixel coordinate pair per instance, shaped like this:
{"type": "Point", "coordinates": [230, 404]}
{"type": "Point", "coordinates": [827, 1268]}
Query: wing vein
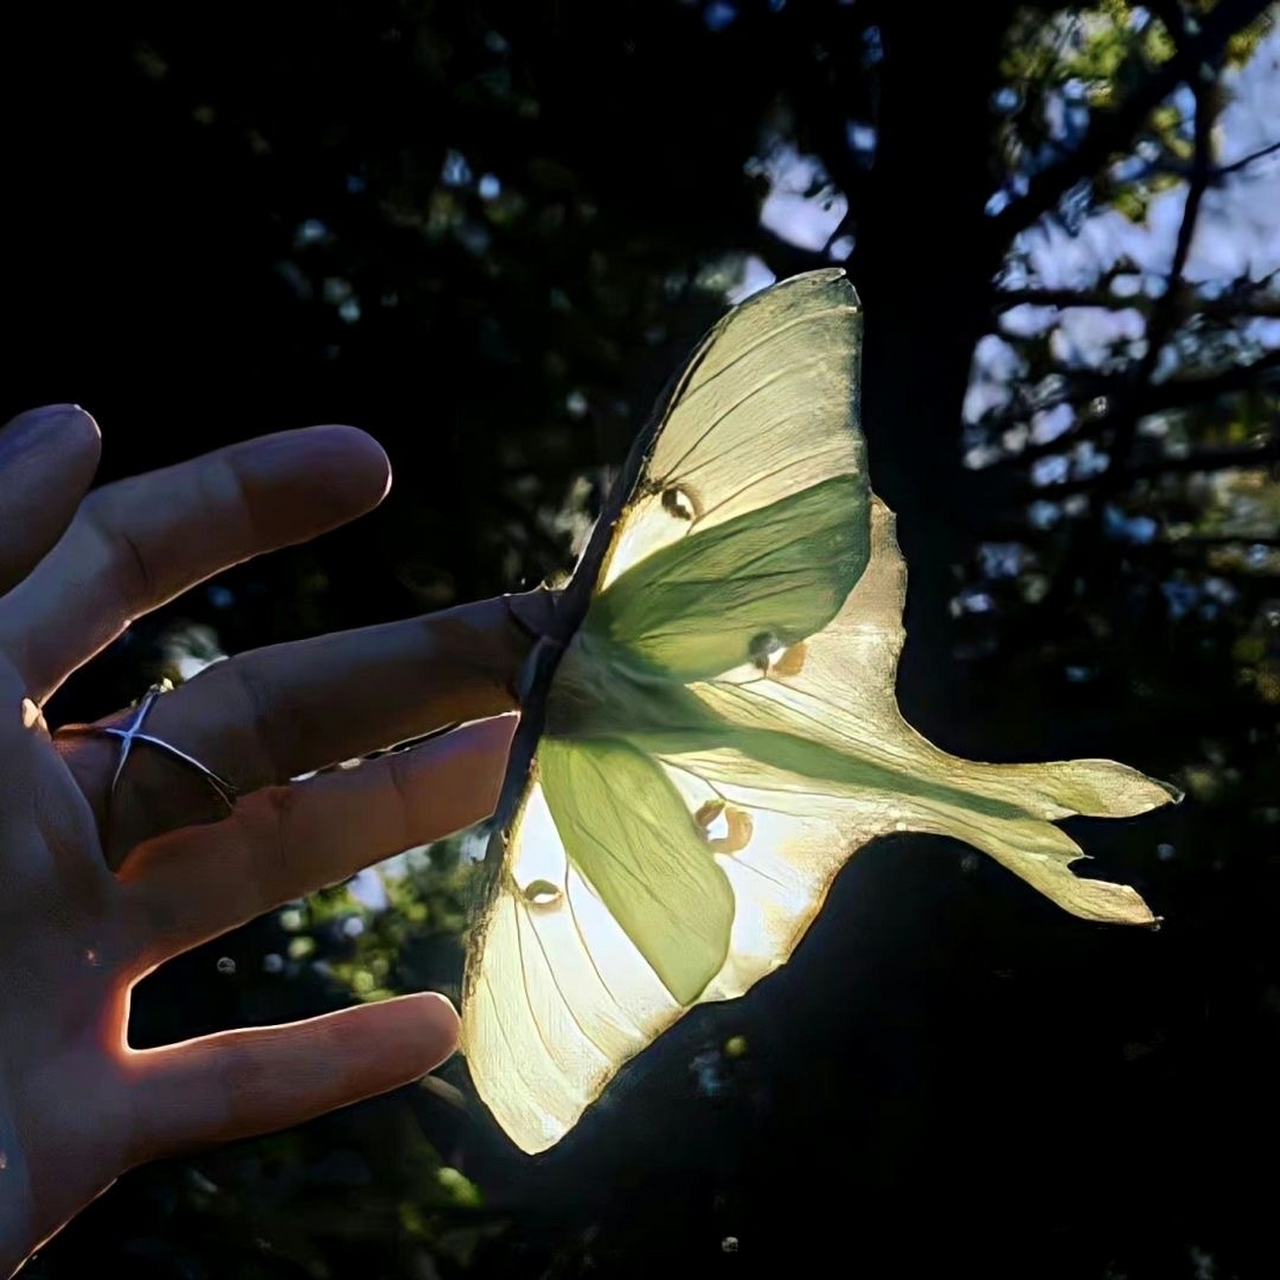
{"type": "Point", "coordinates": [761, 872]}
{"type": "Point", "coordinates": [617, 1004]}
{"type": "Point", "coordinates": [762, 808]}
{"type": "Point", "coordinates": [673, 470]}
{"type": "Point", "coordinates": [844, 309]}
{"type": "Point", "coordinates": [528, 997]}
{"type": "Point", "coordinates": [762, 478]}
{"type": "Point", "coordinates": [712, 459]}
{"type": "Point", "coordinates": [502, 1031]}
{"type": "Point", "coordinates": [732, 691]}
{"type": "Point", "coordinates": [564, 999]}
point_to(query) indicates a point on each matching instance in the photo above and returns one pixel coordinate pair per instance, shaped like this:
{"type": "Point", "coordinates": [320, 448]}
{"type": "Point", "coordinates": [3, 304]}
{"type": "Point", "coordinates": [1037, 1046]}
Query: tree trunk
{"type": "Point", "coordinates": [926, 310]}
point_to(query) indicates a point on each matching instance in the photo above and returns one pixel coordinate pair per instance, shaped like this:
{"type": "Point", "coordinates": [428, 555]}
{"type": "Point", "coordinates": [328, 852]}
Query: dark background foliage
{"type": "Point", "coordinates": [486, 233]}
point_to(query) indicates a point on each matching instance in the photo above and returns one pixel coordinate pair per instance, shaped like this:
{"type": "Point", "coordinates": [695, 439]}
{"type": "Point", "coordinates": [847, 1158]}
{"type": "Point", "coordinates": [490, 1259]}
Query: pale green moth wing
{"type": "Point", "coordinates": [625, 826]}
{"type": "Point", "coordinates": [758, 582]}
{"type": "Point", "coordinates": [721, 733]}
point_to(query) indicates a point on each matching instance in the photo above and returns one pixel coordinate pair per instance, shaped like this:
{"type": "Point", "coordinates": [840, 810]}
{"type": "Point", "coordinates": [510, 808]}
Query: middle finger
{"type": "Point", "coordinates": [272, 714]}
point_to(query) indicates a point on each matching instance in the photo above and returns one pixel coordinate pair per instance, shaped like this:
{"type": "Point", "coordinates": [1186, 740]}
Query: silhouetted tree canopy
{"type": "Point", "coordinates": [487, 233]}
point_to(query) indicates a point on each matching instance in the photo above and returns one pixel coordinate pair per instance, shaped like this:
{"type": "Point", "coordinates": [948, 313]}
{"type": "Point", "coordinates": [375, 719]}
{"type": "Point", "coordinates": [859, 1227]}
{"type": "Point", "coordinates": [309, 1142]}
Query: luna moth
{"type": "Point", "coordinates": [709, 729]}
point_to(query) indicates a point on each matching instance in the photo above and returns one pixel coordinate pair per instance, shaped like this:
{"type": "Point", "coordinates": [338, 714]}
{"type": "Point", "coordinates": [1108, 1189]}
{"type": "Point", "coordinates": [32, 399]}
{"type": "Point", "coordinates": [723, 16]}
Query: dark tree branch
{"type": "Point", "coordinates": [1227, 306]}
{"type": "Point", "coordinates": [1206, 460]}
{"type": "Point", "coordinates": [1203, 460]}
{"type": "Point", "coordinates": [1113, 131]}
{"type": "Point", "coordinates": [1244, 162]}
{"type": "Point", "coordinates": [1211, 540]}
{"type": "Point", "coordinates": [1164, 316]}
{"type": "Point", "coordinates": [783, 256]}
{"type": "Point", "coordinates": [1176, 393]}
{"type": "Point", "coordinates": [1135, 396]}
{"type": "Point", "coordinates": [1006, 299]}
{"type": "Point", "coordinates": [1171, 168]}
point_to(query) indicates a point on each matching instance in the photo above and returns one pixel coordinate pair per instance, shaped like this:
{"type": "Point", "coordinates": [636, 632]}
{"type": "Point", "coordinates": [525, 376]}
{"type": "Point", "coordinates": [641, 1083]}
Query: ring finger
{"type": "Point", "coordinates": [284, 842]}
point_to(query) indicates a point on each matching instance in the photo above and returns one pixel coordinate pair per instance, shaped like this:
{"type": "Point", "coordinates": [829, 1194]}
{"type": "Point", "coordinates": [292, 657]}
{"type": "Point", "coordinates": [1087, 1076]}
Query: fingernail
{"type": "Point", "coordinates": [492, 736]}
{"type": "Point", "coordinates": [37, 425]}
{"type": "Point", "coordinates": [444, 1000]}
{"type": "Point", "coordinates": [342, 471]}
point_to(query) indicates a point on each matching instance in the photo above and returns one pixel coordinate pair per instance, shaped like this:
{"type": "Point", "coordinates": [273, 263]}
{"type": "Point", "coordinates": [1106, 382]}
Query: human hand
{"type": "Point", "coordinates": [88, 907]}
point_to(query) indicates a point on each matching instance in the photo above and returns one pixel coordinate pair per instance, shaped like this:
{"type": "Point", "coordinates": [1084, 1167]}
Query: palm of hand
{"type": "Point", "coordinates": [66, 1083]}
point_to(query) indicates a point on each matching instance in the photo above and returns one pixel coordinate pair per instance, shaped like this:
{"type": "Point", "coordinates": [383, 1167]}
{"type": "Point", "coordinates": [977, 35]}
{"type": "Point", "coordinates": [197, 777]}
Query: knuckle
{"type": "Point", "coordinates": [256, 697]}
{"type": "Point", "coordinates": [124, 553]}
{"type": "Point", "coordinates": [400, 782]}
{"type": "Point", "coordinates": [148, 923]}
{"type": "Point", "coordinates": [225, 493]}
{"type": "Point", "coordinates": [243, 1066]}
{"type": "Point", "coordinates": [233, 702]}
{"type": "Point", "coordinates": [272, 862]}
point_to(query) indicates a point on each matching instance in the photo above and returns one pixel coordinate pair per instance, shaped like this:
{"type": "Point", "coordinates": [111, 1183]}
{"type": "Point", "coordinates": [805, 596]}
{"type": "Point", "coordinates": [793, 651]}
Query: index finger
{"type": "Point", "coordinates": [136, 544]}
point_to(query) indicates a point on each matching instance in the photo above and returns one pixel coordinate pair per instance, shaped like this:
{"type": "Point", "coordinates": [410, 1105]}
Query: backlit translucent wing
{"type": "Point", "coordinates": [767, 407]}
{"type": "Point", "coordinates": [557, 996]}
{"type": "Point", "coordinates": [768, 577]}
{"type": "Point", "coordinates": [837, 689]}
{"type": "Point", "coordinates": [721, 733]}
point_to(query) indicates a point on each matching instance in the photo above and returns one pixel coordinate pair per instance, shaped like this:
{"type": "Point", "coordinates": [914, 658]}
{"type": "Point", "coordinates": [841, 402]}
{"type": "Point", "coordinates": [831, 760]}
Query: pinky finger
{"type": "Point", "coordinates": [238, 1084]}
